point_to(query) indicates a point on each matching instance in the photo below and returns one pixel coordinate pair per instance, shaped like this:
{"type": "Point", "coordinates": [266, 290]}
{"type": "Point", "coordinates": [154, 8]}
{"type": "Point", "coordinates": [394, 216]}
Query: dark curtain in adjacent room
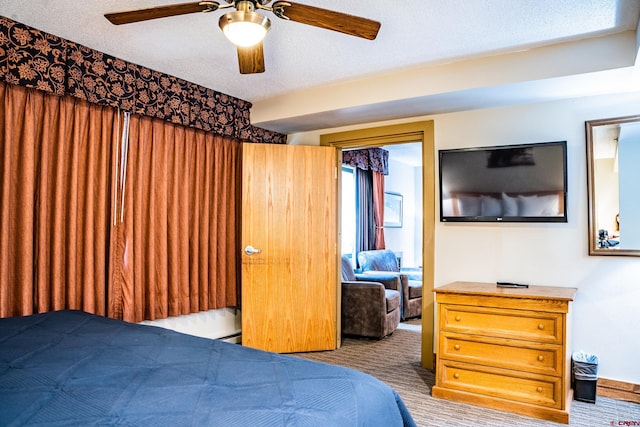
{"type": "Point", "coordinates": [365, 220]}
{"type": "Point", "coordinates": [371, 165]}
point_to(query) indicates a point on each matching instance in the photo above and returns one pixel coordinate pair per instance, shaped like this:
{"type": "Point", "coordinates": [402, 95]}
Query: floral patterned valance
{"type": "Point", "coordinates": [376, 159]}
{"type": "Point", "coordinates": [33, 58]}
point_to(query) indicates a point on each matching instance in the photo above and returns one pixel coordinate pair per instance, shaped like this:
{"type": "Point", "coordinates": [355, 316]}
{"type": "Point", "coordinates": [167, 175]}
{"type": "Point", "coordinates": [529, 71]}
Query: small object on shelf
{"type": "Point", "coordinates": [511, 285]}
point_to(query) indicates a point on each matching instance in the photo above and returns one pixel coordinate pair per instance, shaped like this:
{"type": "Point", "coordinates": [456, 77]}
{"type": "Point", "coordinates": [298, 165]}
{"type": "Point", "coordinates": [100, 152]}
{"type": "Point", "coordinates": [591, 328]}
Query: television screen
{"type": "Point", "coordinates": [512, 183]}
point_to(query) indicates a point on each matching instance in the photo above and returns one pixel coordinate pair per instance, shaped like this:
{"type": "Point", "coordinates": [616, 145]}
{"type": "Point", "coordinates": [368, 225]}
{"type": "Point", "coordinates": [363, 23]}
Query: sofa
{"type": "Point", "coordinates": [384, 260]}
{"type": "Point", "coordinates": [370, 305]}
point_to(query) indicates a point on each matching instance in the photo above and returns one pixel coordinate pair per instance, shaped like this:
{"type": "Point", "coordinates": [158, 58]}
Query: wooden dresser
{"type": "Point", "coordinates": [505, 348]}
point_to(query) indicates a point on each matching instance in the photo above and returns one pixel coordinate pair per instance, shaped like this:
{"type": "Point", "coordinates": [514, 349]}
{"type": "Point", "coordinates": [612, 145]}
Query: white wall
{"type": "Point", "coordinates": [402, 180]}
{"type": "Point", "coordinates": [605, 312]}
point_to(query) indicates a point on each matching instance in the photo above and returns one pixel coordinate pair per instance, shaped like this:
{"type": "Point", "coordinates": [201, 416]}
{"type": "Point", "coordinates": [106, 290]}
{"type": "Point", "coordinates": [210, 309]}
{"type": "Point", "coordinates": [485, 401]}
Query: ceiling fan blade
{"type": "Point", "coordinates": [327, 19]}
{"type": "Point", "coordinates": [251, 59]}
{"type": "Point", "coordinates": [128, 17]}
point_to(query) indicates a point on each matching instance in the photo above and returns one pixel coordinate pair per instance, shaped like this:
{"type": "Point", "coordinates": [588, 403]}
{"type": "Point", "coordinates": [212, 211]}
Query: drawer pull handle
{"type": "Point", "coordinates": [456, 347]}
{"type": "Point", "coordinates": [456, 375]}
{"type": "Point", "coordinates": [540, 358]}
{"type": "Point", "coordinates": [541, 326]}
{"type": "Point", "coordinates": [539, 389]}
{"type": "Point", "coordinates": [458, 318]}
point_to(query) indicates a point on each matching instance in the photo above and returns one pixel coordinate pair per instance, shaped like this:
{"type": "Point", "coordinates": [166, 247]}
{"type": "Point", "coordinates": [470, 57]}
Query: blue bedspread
{"type": "Point", "coordinates": [70, 368]}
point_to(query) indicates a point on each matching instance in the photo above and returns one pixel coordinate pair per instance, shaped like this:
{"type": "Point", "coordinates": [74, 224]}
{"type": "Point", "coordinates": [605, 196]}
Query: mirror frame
{"type": "Point", "coordinates": [591, 196]}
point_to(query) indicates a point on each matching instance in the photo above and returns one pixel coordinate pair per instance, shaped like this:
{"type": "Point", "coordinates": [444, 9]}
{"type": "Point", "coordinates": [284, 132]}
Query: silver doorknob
{"type": "Point", "coordinates": [250, 250]}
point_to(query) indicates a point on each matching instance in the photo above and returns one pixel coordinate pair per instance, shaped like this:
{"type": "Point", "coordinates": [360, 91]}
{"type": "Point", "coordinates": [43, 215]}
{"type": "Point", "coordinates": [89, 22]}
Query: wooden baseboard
{"type": "Point", "coordinates": [618, 390]}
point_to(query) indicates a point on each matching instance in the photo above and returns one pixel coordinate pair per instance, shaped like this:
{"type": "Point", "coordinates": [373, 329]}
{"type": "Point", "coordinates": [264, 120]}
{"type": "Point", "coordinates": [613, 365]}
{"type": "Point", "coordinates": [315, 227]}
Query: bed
{"type": "Point", "coordinates": [68, 368]}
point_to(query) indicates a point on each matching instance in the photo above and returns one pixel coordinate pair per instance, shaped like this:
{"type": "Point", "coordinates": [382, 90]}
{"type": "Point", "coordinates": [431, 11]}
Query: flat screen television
{"type": "Point", "coordinates": [511, 183]}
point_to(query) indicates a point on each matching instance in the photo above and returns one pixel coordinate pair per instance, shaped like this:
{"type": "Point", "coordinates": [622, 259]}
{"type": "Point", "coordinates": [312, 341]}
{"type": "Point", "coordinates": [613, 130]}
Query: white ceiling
{"type": "Point", "coordinates": [301, 61]}
{"type": "Point", "coordinates": [410, 154]}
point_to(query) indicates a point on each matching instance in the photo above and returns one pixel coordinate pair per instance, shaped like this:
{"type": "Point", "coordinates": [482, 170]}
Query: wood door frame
{"type": "Point", "coordinates": [402, 134]}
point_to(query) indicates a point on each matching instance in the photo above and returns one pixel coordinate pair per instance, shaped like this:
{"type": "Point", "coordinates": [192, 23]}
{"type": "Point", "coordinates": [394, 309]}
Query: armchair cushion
{"type": "Point", "coordinates": [389, 280]}
{"type": "Point", "coordinates": [393, 299]}
{"type": "Point", "coordinates": [415, 289]}
{"type": "Point", "coordinates": [379, 260]}
{"type": "Point", "coordinates": [367, 291]}
{"type": "Point", "coordinates": [412, 273]}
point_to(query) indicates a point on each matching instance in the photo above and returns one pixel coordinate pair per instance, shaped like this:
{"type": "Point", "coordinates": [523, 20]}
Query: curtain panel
{"type": "Point", "coordinates": [68, 242]}
{"type": "Point", "coordinates": [378, 208]}
{"type": "Point", "coordinates": [56, 155]}
{"type": "Point", "coordinates": [35, 59]}
{"type": "Point", "coordinates": [176, 248]}
{"type": "Point", "coordinates": [370, 201]}
{"type": "Point", "coordinates": [365, 221]}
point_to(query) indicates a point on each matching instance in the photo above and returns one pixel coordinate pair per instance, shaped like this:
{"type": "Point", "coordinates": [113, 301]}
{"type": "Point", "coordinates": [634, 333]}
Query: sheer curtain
{"type": "Point", "coordinates": [55, 164]}
{"type": "Point", "coordinates": [176, 250]}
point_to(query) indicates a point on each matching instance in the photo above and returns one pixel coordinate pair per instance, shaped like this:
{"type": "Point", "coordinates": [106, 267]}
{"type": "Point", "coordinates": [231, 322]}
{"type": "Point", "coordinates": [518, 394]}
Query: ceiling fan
{"type": "Point", "coordinates": [246, 28]}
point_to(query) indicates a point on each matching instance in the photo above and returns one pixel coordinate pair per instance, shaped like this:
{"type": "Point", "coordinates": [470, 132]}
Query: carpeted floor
{"type": "Point", "coordinates": [396, 361]}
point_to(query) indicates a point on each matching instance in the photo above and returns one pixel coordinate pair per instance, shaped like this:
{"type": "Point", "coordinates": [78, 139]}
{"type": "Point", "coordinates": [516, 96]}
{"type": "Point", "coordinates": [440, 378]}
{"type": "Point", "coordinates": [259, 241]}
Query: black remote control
{"type": "Point", "coordinates": [511, 285]}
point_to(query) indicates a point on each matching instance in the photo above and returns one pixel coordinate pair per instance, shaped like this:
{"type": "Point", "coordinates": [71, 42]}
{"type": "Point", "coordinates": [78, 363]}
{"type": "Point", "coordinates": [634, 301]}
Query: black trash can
{"type": "Point", "coordinates": [585, 376]}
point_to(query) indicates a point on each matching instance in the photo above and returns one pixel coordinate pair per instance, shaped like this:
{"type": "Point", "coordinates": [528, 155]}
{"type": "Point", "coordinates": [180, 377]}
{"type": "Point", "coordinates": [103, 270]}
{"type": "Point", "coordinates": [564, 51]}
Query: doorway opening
{"type": "Point", "coordinates": [404, 184]}
{"type": "Point", "coordinates": [423, 133]}
{"type": "Point", "coordinates": [402, 228]}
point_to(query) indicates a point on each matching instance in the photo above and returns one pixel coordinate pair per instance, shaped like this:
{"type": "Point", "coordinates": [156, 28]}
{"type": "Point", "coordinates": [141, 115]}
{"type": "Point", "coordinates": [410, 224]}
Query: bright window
{"type": "Point", "coordinates": [348, 219]}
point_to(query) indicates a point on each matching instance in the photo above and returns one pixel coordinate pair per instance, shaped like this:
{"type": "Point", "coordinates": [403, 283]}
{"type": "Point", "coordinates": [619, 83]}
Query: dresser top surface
{"type": "Point", "coordinates": [490, 289]}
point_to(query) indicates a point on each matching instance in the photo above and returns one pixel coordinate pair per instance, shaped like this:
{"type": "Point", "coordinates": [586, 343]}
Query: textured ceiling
{"type": "Point", "coordinates": [414, 33]}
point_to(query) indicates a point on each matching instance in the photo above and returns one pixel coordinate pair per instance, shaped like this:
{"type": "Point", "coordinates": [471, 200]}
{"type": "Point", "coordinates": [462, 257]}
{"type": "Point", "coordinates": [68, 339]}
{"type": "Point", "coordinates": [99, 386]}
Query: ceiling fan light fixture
{"type": "Point", "coordinates": [244, 28]}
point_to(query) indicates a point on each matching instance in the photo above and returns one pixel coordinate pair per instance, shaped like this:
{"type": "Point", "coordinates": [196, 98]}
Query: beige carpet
{"type": "Point", "coordinates": [396, 361]}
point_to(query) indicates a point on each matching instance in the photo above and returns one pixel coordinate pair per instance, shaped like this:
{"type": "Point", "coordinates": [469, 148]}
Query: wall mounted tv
{"type": "Point", "coordinates": [511, 183]}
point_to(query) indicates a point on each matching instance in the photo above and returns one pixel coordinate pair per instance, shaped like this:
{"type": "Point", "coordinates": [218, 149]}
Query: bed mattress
{"type": "Point", "coordinates": [70, 368]}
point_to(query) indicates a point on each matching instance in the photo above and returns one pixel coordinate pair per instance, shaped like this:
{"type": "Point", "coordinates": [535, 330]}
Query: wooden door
{"type": "Point", "coordinates": [289, 216]}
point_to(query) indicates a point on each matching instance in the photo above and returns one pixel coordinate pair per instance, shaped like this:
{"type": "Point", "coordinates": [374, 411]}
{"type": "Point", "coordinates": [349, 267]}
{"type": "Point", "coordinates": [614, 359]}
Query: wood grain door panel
{"type": "Point", "coordinates": [289, 213]}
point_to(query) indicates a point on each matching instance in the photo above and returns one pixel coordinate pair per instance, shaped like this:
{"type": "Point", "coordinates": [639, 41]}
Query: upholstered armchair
{"type": "Point", "coordinates": [369, 308]}
{"type": "Point", "coordinates": [384, 260]}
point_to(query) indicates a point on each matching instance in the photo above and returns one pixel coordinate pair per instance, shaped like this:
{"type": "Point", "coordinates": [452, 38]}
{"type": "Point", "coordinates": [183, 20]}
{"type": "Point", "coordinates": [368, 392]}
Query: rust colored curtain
{"type": "Point", "coordinates": [55, 165]}
{"type": "Point", "coordinates": [378, 208]}
{"type": "Point", "coordinates": [176, 251]}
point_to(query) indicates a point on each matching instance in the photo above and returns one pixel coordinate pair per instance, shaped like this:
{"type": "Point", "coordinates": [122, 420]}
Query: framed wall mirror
{"type": "Point", "coordinates": [613, 182]}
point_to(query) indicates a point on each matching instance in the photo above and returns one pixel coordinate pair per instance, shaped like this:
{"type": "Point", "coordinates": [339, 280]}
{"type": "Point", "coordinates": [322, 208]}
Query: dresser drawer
{"type": "Point", "coordinates": [503, 323]}
{"type": "Point", "coordinates": [501, 383]}
{"type": "Point", "coordinates": [542, 358]}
